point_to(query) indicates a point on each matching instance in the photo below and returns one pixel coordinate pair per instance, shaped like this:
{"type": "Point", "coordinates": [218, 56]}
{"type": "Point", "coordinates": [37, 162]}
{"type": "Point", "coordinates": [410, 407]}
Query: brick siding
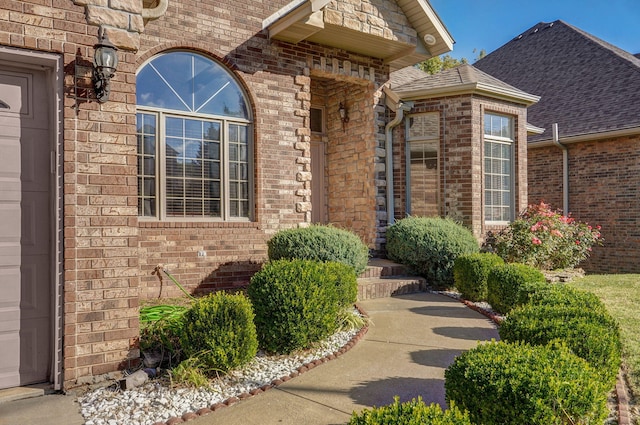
{"type": "Point", "coordinates": [109, 253]}
{"type": "Point", "coordinates": [604, 177]}
{"type": "Point", "coordinates": [461, 156]}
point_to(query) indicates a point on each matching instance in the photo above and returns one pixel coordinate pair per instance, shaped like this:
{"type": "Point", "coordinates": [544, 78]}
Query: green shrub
{"type": "Point", "coordinates": [414, 412]}
{"type": "Point", "coordinates": [509, 285]}
{"type": "Point", "coordinates": [430, 245]}
{"type": "Point", "coordinates": [563, 295]}
{"type": "Point", "coordinates": [345, 280]}
{"type": "Point", "coordinates": [546, 239]}
{"type": "Point", "coordinates": [504, 383]}
{"type": "Point", "coordinates": [160, 330]}
{"type": "Point", "coordinates": [470, 272]}
{"type": "Point", "coordinates": [219, 331]}
{"type": "Point", "coordinates": [296, 302]}
{"type": "Point", "coordinates": [591, 334]}
{"type": "Point", "coordinates": [189, 373]}
{"type": "Point", "coordinates": [320, 243]}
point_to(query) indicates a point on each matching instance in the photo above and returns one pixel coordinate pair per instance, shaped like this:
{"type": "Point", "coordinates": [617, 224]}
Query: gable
{"type": "Point", "coordinates": [401, 33]}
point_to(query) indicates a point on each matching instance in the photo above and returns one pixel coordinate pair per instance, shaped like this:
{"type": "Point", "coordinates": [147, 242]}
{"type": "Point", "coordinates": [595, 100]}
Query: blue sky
{"type": "Point", "coordinates": [488, 24]}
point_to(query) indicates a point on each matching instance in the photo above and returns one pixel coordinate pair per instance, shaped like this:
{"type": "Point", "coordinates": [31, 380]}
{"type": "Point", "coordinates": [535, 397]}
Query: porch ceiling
{"type": "Point", "coordinates": [304, 20]}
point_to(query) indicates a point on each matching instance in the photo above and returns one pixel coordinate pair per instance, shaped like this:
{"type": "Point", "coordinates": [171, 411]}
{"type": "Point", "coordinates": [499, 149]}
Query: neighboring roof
{"type": "Point", "coordinates": [587, 85]}
{"type": "Point", "coordinates": [413, 84]}
{"type": "Point", "coordinates": [305, 20]}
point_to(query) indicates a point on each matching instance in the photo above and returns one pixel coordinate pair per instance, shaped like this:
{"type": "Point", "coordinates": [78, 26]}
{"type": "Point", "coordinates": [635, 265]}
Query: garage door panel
{"type": "Point", "coordinates": [33, 363]}
{"type": "Point", "coordinates": [35, 302]}
{"type": "Point", "coordinates": [35, 166]}
{"type": "Point", "coordinates": [10, 291]}
{"type": "Point", "coordinates": [9, 367]}
{"type": "Point", "coordinates": [25, 228]}
{"type": "Point", "coordinates": [35, 234]}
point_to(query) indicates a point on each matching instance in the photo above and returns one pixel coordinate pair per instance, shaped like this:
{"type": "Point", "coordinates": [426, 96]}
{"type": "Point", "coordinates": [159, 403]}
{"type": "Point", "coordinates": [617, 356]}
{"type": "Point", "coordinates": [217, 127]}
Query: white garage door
{"type": "Point", "coordinates": [25, 228]}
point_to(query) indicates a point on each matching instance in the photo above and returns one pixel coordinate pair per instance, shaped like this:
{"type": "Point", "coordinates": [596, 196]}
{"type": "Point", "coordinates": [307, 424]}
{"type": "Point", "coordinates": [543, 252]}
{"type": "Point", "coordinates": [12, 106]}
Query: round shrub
{"type": "Point", "coordinates": [430, 246]}
{"type": "Point", "coordinates": [505, 383]}
{"type": "Point", "coordinates": [563, 295]}
{"type": "Point", "coordinates": [320, 243]}
{"type": "Point", "coordinates": [508, 285]}
{"type": "Point", "coordinates": [219, 331]}
{"type": "Point", "coordinates": [470, 272]}
{"type": "Point", "coordinates": [346, 283]}
{"type": "Point", "coordinates": [591, 334]}
{"type": "Point", "coordinates": [296, 302]}
{"type": "Point", "coordinates": [414, 412]}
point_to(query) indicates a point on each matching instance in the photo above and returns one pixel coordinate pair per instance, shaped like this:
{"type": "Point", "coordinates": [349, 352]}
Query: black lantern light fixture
{"type": "Point", "coordinates": [105, 62]}
{"type": "Point", "coordinates": [344, 114]}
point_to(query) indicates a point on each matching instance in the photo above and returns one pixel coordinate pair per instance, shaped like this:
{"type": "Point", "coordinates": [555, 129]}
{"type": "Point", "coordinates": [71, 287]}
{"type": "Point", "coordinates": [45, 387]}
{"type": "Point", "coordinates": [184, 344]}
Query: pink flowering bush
{"type": "Point", "coordinates": [546, 239]}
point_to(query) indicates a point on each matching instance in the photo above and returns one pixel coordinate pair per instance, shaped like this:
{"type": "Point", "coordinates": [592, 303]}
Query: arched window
{"type": "Point", "coordinates": [194, 140]}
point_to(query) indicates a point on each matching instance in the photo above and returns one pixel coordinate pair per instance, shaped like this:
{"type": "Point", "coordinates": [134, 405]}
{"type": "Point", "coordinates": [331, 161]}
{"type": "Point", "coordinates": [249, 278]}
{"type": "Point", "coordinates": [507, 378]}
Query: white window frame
{"type": "Point", "coordinates": [501, 140]}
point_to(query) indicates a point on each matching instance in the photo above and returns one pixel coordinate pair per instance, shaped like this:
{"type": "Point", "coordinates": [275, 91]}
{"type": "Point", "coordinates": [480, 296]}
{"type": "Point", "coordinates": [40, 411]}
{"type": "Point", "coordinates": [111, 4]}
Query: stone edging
{"type": "Point", "coordinates": [624, 415]}
{"type": "Point", "coordinates": [276, 382]}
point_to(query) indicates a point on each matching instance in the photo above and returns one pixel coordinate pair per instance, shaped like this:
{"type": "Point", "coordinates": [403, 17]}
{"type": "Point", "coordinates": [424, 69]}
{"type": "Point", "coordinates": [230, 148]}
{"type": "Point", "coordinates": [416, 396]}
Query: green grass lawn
{"type": "Point", "coordinates": [621, 295]}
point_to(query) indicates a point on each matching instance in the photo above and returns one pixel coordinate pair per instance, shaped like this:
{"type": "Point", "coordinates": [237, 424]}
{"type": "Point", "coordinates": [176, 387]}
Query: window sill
{"type": "Point", "coordinates": [154, 224]}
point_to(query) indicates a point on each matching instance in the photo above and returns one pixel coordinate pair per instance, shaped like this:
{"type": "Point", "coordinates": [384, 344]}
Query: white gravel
{"type": "Point", "coordinates": [155, 402]}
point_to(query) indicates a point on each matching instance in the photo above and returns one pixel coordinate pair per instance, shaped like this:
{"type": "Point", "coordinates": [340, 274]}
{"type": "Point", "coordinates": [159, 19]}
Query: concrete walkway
{"type": "Point", "coordinates": [412, 340]}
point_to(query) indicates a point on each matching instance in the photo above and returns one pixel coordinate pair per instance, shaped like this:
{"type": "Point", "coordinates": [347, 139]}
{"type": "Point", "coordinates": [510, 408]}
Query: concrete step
{"type": "Point", "coordinates": [380, 267]}
{"type": "Point", "coordinates": [382, 287]}
{"type": "Point", "coordinates": [19, 393]}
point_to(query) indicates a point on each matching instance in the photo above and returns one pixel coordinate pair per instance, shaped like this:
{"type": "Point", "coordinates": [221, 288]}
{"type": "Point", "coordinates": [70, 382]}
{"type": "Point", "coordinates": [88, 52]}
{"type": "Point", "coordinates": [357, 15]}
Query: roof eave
{"type": "Point", "coordinates": [532, 129]}
{"type": "Point", "coordinates": [589, 137]}
{"type": "Point", "coordinates": [501, 93]}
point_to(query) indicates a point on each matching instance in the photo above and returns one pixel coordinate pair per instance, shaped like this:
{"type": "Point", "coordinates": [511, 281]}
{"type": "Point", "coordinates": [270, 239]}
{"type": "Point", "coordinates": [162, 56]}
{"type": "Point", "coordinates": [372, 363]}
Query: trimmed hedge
{"type": "Point", "coordinates": [320, 243]}
{"type": "Point", "coordinates": [505, 383]}
{"type": "Point", "coordinates": [414, 412]}
{"type": "Point", "coordinates": [509, 285]}
{"type": "Point", "coordinates": [430, 246]}
{"type": "Point", "coordinates": [297, 302]}
{"type": "Point", "coordinates": [470, 272]}
{"type": "Point", "coordinates": [219, 331]}
{"type": "Point", "coordinates": [591, 334]}
{"type": "Point", "coordinates": [563, 295]}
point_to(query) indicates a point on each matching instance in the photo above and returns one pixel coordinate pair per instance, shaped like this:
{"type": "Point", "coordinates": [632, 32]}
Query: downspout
{"type": "Point", "coordinates": [399, 107]}
{"type": "Point", "coordinates": [565, 169]}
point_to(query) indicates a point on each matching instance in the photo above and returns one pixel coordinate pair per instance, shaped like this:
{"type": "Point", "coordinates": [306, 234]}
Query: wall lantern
{"type": "Point", "coordinates": [105, 62]}
{"type": "Point", "coordinates": [344, 114]}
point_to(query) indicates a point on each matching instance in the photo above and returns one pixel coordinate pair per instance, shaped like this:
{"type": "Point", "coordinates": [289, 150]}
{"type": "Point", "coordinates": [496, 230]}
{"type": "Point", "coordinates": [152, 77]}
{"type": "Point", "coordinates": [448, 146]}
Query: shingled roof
{"type": "Point", "coordinates": [587, 85]}
{"type": "Point", "coordinates": [410, 84]}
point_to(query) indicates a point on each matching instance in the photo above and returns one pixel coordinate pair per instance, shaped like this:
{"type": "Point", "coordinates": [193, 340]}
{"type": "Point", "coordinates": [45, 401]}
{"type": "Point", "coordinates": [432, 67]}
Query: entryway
{"type": "Point", "coordinates": [26, 225]}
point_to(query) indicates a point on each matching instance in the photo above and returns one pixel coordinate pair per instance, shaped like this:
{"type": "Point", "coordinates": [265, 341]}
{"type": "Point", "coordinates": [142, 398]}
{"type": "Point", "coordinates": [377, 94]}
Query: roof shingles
{"type": "Point", "coordinates": [586, 84]}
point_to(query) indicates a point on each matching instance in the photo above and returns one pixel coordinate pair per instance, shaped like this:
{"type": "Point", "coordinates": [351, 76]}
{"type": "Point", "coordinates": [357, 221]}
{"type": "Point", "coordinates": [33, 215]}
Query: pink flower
{"type": "Point", "coordinates": [556, 232]}
{"type": "Point", "coordinates": [536, 241]}
{"type": "Point", "coordinates": [577, 242]}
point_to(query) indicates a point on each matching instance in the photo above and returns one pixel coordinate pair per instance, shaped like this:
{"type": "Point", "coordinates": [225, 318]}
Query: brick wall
{"type": "Point", "coordinates": [604, 177]}
{"type": "Point", "coordinates": [100, 261]}
{"type": "Point", "coordinates": [461, 157]}
{"type": "Point", "coordinates": [109, 254]}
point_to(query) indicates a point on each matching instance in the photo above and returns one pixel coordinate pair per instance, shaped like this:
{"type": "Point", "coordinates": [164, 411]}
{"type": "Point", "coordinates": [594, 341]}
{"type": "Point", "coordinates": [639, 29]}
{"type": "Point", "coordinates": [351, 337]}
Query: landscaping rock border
{"type": "Point", "coordinates": [275, 383]}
